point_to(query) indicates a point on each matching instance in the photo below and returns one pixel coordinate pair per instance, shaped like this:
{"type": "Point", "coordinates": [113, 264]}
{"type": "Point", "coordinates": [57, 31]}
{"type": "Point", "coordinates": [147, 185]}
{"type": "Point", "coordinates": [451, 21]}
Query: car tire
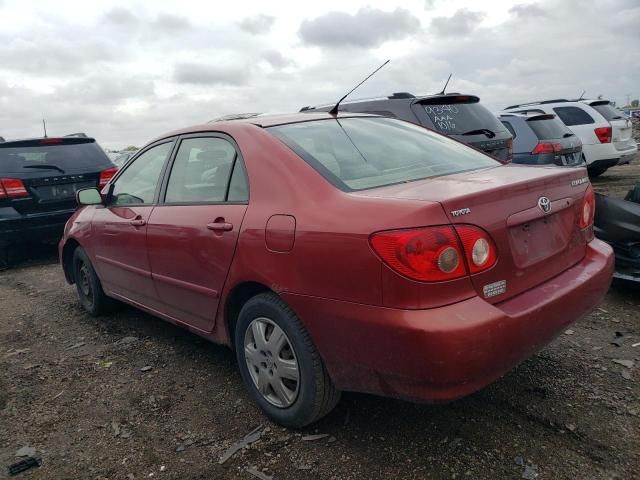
{"type": "Point", "coordinates": [270, 343]}
{"type": "Point", "coordinates": [90, 292]}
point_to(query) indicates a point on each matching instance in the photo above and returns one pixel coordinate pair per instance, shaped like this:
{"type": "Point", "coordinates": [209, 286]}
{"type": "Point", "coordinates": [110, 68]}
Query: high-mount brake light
{"type": "Point", "coordinates": [12, 188]}
{"type": "Point", "coordinates": [106, 175]}
{"type": "Point", "coordinates": [603, 134]}
{"type": "Point", "coordinates": [588, 210]}
{"type": "Point", "coordinates": [47, 141]}
{"type": "Point", "coordinates": [436, 254]}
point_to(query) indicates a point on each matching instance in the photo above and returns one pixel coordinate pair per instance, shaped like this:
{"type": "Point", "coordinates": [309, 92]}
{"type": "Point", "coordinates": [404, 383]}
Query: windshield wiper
{"type": "Point", "coordinates": [485, 131]}
{"type": "Point", "coordinates": [45, 167]}
{"type": "Point", "coordinates": [568, 134]}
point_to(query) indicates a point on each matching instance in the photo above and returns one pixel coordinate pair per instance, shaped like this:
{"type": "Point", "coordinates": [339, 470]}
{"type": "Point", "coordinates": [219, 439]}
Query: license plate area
{"type": "Point", "coordinates": [537, 240]}
{"type": "Point", "coordinates": [62, 191]}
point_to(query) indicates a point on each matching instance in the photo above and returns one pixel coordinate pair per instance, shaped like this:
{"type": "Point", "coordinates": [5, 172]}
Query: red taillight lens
{"type": "Point", "coordinates": [426, 254]}
{"type": "Point", "coordinates": [588, 208]}
{"type": "Point", "coordinates": [603, 134]}
{"type": "Point", "coordinates": [546, 147]}
{"type": "Point", "coordinates": [12, 188]}
{"type": "Point", "coordinates": [479, 248]}
{"type": "Point", "coordinates": [48, 141]}
{"type": "Point", "coordinates": [106, 175]}
{"type": "Point", "coordinates": [435, 254]}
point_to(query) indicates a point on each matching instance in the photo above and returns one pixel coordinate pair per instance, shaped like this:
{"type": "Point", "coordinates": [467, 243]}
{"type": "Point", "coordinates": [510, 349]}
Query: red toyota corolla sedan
{"type": "Point", "coordinates": [342, 253]}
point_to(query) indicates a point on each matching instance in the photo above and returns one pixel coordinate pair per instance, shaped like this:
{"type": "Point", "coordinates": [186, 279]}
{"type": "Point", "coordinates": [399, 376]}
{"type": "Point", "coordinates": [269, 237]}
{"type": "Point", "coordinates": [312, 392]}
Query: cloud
{"type": "Point", "coordinates": [528, 10]}
{"type": "Point", "coordinates": [462, 22]}
{"type": "Point", "coordinates": [368, 27]}
{"type": "Point", "coordinates": [257, 24]}
{"type": "Point", "coordinates": [121, 16]}
{"type": "Point", "coordinates": [208, 74]}
{"type": "Point", "coordinates": [276, 59]}
{"type": "Point", "coordinates": [171, 23]}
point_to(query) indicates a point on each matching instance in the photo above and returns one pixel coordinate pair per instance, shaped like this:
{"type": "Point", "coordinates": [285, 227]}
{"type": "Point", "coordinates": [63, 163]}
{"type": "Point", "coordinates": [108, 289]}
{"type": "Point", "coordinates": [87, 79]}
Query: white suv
{"type": "Point", "coordinates": [604, 131]}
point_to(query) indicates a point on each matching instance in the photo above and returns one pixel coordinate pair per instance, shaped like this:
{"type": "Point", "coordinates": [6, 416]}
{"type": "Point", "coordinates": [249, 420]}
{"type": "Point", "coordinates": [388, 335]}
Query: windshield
{"type": "Point", "coordinates": [63, 158]}
{"type": "Point", "coordinates": [460, 118]}
{"type": "Point", "coordinates": [609, 112]}
{"type": "Point", "coordinates": [360, 153]}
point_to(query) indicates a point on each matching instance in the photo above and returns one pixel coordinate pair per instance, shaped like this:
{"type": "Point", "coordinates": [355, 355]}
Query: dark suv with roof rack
{"type": "Point", "coordinates": [459, 116]}
{"type": "Point", "coordinates": [39, 179]}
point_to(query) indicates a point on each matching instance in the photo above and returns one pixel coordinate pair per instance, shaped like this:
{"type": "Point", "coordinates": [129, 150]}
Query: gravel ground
{"type": "Point", "coordinates": [129, 396]}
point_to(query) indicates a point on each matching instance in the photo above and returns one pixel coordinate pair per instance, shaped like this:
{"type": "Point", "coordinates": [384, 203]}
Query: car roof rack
{"type": "Point", "coordinates": [399, 95]}
{"type": "Point", "coordinates": [235, 116]}
{"type": "Point", "coordinates": [541, 102]}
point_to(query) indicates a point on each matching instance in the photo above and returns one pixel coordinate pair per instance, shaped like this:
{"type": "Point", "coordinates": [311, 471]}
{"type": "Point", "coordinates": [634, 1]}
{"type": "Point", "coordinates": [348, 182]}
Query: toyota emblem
{"type": "Point", "coordinates": [545, 204]}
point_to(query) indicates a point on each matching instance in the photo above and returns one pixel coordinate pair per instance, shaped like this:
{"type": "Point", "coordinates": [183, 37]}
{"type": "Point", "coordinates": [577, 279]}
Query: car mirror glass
{"type": "Point", "coordinates": [89, 196]}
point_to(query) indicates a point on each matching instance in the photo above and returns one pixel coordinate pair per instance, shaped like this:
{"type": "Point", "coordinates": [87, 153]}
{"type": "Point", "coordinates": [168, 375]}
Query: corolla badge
{"type": "Point", "coordinates": [545, 204]}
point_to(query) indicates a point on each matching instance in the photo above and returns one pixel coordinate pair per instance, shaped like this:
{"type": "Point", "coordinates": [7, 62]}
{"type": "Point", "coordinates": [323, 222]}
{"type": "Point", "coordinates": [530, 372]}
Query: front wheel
{"type": "Point", "coordinates": [280, 365]}
{"type": "Point", "coordinates": [88, 285]}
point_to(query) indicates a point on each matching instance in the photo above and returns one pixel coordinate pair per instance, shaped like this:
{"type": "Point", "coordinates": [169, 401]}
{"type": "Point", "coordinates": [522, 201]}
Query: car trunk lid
{"type": "Point", "coordinates": [507, 202]}
{"type": "Point", "coordinates": [621, 129]}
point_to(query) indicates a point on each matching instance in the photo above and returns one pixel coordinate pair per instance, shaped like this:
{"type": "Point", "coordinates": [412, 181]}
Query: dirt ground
{"type": "Point", "coordinates": [130, 397]}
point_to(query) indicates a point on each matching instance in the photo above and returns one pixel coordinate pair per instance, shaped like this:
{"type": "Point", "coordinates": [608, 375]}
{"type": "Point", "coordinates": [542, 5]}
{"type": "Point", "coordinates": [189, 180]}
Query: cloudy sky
{"type": "Point", "coordinates": [126, 72]}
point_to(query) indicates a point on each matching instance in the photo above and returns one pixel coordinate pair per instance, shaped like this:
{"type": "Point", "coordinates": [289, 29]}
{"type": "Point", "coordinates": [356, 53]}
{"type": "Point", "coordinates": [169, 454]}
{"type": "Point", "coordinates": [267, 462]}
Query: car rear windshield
{"type": "Point", "coordinates": [548, 128]}
{"type": "Point", "coordinates": [67, 156]}
{"type": "Point", "coordinates": [571, 116]}
{"type": "Point", "coordinates": [609, 112]}
{"type": "Point", "coordinates": [460, 118]}
{"type": "Point", "coordinates": [361, 153]}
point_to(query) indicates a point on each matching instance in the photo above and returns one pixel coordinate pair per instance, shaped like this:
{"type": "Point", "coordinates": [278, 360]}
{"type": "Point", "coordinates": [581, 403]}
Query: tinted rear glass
{"type": "Point", "coordinates": [609, 112]}
{"type": "Point", "coordinates": [360, 153]}
{"type": "Point", "coordinates": [573, 116]}
{"type": "Point", "coordinates": [460, 118]}
{"type": "Point", "coordinates": [548, 129]}
{"type": "Point", "coordinates": [78, 157]}
{"type": "Point", "coordinates": [510, 128]}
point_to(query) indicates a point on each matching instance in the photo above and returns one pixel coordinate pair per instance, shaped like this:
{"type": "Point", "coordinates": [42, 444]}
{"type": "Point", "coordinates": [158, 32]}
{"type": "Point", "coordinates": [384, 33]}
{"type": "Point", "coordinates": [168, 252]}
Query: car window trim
{"type": "Point", "coordinates": [162, 194]}
{"type": "Point", "coordinates": [160, 177]}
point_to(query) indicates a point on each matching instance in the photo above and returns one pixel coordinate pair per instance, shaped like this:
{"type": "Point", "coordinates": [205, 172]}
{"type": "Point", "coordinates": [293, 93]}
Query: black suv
{"type": "Point", "coordinates": [458, 116]}
{"type": "Point", "coordinates": [38, 182]}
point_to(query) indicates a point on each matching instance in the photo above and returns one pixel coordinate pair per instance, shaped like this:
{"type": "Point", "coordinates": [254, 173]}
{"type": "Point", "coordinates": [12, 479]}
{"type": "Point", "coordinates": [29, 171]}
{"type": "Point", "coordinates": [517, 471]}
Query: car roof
{"type": "Point", "coordinates": [262, 121]}
{"type": "Point", "coordinates": [397, 96]}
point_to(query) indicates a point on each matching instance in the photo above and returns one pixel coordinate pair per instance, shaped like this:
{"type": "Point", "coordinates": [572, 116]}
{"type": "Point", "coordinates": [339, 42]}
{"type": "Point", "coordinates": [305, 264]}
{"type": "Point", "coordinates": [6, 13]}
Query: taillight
{"type": "Point", "coordinates": [546, 147]}
{"type": "Point", "coordinates": [603, 134]}
{"type": "Point", "coordinates": [480, 250]}
{"type": "Point", "coordinates": [48, 141]}
{"type": "Point", "coordinates": [12, 188]}
{"type": "Point", "coordinates": [510, 149]}
{"type": "Point", "coordinates": [588, 208]}
{"type": "Point", "coordinates": [106, 175]}
{"type": "Point", "coordinates": [435, 254]}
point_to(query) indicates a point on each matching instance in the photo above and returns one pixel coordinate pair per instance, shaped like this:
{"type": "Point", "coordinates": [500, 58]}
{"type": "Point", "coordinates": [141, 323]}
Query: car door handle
{"type": "Point", "coordinates": [138, 222]}
{"type": "Point", "coordinates": [220, 226]}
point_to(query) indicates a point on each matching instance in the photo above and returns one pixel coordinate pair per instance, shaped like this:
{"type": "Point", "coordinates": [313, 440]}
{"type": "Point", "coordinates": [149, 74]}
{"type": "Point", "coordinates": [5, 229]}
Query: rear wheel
{"type": "Point", "coordinates": [88, 285]}
{"type": "Point", "coordinates": [280, 365]}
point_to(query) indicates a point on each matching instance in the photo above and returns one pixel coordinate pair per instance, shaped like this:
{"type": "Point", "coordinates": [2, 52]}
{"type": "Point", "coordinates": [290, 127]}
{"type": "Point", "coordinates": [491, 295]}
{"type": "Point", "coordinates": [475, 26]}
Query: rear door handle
{"type": "Point", "coordinates": [220, 226]}
{"type": "Point", "coordinates": [138, 222]}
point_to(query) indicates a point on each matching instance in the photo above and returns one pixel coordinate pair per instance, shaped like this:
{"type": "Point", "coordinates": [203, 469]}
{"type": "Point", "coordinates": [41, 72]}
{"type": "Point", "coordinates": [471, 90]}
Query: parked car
{"type": "Point", "coordinates": [459, 116]}
{"type": "Point", "coordinates": [38, 182]}
{"type": "Point", "coordinates": [595, 132]}
{"type": "Point", "coordinates": [353, 252]}
{"type": "Point", "coordinates": [542, 139]}
{"type": "Point", "coordinates": [617, 222]}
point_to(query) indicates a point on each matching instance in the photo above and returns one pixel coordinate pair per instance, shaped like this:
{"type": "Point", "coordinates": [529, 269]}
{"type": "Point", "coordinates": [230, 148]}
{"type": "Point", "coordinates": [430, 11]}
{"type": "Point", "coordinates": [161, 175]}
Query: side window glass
{"type": "Point", "coordinates": [238, 187]}
{"type": "Point", "coordinates": [510, 128]}
{"type": "Point", "coordinates": [573, 116]}
{"type": "Point", "coordinates": [201, 171]}
{"type": "Point", "coordinates": [138, 182]}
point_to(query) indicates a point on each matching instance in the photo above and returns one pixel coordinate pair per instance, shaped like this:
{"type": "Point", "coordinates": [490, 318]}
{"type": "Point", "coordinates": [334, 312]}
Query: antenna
{"type": "Point", "coordinates": [445, 85]}
{"type": "Point", "coordinates": [334, 110]}
{"type": "Point", "coordinates": [582, 95]}
{"type": "Point", "coordinates": [44, 125]}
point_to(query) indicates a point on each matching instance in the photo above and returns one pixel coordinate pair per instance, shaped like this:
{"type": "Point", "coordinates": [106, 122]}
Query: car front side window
{"type": "Point", "coordinates": [137, 184]}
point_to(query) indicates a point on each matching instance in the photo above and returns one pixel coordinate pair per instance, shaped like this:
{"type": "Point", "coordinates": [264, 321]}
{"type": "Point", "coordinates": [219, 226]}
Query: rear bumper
{"type": "Point", "coordinates": [446, 353]}
{"type": "Point", "coordinates": [36, 227]}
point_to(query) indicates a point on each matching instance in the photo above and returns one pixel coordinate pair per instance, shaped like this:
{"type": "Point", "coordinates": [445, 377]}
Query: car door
{"type": "Point", "coordinates": [193, 231]}
{"type": "Point", "coordinates": [120, 228]}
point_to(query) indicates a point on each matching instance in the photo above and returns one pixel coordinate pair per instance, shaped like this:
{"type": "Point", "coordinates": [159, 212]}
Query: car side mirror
{"type": "Point", "coordinates": [89, 196]}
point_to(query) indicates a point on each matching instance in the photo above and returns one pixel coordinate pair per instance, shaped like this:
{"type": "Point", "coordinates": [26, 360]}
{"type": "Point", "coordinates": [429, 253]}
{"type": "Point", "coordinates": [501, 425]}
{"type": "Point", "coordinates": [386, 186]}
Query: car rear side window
{"type": "Point", "coordinates": [573, 116]}
{"type": "Point", "coordinates": [546, 129]}
{"type": "Point", "coordinates": [609, 112]}
{"type": "Point", "coordinates": [361, 153]}
{"type": "Point", "coordinates": [138, 182]}
{"type": "Point", "coordinates": [203, 170]}
{"type": "Point", "coordinates": [510, 128]}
